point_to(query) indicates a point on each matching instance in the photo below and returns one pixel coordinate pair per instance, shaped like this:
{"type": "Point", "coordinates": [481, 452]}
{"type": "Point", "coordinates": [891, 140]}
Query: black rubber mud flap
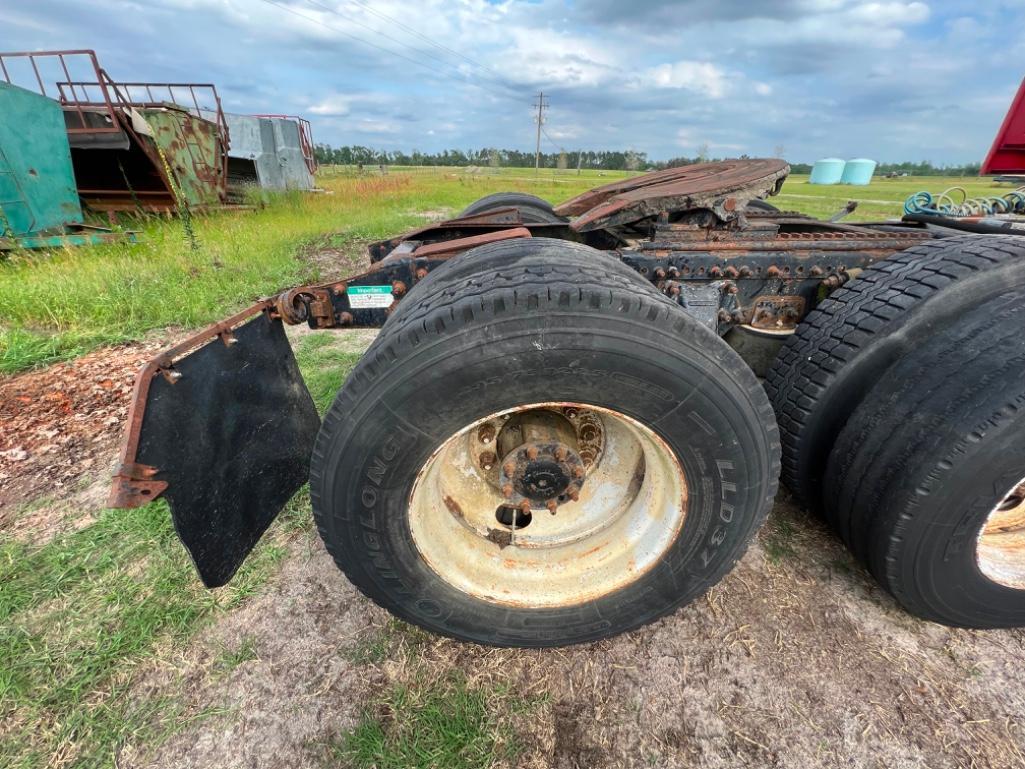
{"type": "Point", "coordinates": [232, 437]}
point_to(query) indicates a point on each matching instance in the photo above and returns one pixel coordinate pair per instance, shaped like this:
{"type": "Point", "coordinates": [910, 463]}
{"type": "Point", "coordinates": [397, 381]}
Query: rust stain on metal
{"type": "Point", "coordinates": [450, 247]}
{"type": "Point", "coordinates": [720, 186]}
{"type": "Point", "coordinates": [454, 507]}
{"type": "Point", "coordinates": [501, 537]}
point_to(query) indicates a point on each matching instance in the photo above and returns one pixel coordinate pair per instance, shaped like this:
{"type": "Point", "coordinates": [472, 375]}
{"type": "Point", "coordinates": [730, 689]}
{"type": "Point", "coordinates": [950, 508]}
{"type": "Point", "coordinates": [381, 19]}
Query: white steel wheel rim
{"type": "Point", "coordinates": [629, 512]}
{"type": "Point", "coordinates": [1000, 550]}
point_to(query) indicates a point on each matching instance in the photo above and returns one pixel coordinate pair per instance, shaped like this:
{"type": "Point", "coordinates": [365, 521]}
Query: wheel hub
{"type": "Point", "coordinates": [541, 466]}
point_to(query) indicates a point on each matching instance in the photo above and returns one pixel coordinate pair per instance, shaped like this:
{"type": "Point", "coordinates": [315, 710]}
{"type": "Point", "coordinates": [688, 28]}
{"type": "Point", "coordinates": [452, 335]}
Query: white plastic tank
{"type": "Point", "coordinates": [858, 171]}
{"type": "Point", "coordinates": [827, 171]}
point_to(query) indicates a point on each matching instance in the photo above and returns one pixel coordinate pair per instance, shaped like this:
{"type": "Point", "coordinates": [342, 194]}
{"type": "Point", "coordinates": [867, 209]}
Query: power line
{"type": "Point", "coordinates": [417, 33]}
{"type": "Point", "coordinates": [552, 141]}
{"type": "Point", "coordinates": [358, 39]}
{"type": "Point", "coordinates": [376, 31]}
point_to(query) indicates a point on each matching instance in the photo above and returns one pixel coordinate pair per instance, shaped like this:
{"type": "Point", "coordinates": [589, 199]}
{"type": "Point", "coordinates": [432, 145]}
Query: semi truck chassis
{"type": "Point", "coordinates": [574, 419]}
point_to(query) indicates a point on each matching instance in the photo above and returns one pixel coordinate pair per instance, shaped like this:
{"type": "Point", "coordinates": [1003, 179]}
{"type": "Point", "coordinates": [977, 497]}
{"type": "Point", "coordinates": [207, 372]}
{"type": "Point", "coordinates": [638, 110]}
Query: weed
{"type": "Point", "coordinates": [777, 538]}
{"type": "Point", "coordinates": [231, 658]}
{"type": "Point", "coordinates": [442, 724]}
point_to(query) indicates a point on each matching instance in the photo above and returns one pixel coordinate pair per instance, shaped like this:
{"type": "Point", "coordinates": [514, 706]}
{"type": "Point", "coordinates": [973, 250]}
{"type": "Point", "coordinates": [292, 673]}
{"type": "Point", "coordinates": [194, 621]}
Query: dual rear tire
{"type": "Point", "coordinates": [901, 403]}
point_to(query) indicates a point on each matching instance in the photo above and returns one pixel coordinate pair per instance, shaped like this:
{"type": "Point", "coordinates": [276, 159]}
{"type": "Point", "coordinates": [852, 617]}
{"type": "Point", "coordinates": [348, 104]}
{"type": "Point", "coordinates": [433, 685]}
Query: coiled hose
{"type": "Point", "coordinates": [945, 204]}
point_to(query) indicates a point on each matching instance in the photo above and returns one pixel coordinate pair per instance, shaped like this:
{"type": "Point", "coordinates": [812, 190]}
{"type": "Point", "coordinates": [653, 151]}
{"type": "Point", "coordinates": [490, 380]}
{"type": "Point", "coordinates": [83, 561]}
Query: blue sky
{"type": "Point", "coordinates": [895, 80]}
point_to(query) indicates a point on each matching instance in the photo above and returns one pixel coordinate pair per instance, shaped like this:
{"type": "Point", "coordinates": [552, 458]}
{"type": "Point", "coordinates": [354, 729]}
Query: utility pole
{"type": "Point", "coordinates": [541, 105]}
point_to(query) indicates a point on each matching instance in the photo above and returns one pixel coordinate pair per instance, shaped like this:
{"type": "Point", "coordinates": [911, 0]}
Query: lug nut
{"type": "Point", "coordinates": [552, 506]}
{"type": "Point", "coordinates": [421, 273]}
{"type": "Point", "coordinates": [578, 472]}
{"type": "Point", "coordinates": [507, 490]}
{"type": "Point", "coordinates": [560, 454]}
{"type": "Point", "coordinates": [509, 468]}
{"type": "Point", "coordinates": [532, 453]}
{"type": "Point", "coordinates": [398, 288]}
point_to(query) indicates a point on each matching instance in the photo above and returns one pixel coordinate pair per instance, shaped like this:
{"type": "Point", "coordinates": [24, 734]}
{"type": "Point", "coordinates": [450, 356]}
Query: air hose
{"type": "Point", "coordinates": [945, 204]}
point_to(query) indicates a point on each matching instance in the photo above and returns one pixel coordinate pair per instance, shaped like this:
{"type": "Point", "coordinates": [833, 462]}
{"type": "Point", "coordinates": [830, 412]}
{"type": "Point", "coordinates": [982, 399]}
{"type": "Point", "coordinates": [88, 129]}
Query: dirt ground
{"type": "Point", "coordinates": [797, 659]}
{"type": "Point", "coordinates": [794, 660]}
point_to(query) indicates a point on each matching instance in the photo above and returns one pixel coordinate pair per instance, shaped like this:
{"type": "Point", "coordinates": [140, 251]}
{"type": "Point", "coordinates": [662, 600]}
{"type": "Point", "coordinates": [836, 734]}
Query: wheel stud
{"type": "Point", "coordinates": [552, 506]}
{"type": "Point", "coordinates": [560, 454]}
{"type": "Point", "coordinates": [532, 453]}
{"type": "Point", "coordinates": [509, 468]}
{"type": "Point", "coordinates": [578, 472]}
{"type": "Point", "coordinates": [574, 493]}
{"type": "Point", "coordinates": [507, 490]}
{"type": "Point", "coordinates": [524, 506]}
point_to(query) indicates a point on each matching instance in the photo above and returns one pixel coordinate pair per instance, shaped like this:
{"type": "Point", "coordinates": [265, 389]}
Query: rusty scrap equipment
{"type": "Point", "coordinates": [153, 147]}
{"type": "Point", "coordinates": [559, 433]}
{"type": "Point", "coordinates": [272, 152]}
{"type": "Point", "coordinates": [39, 206]}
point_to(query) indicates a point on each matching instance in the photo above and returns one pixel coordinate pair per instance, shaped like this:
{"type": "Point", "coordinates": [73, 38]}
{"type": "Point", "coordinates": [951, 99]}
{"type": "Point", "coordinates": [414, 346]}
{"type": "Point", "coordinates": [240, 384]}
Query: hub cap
{"type": "Point", "coordinates": [545, 505]}
{"type": "Point", "coordinates": [1001, 548]}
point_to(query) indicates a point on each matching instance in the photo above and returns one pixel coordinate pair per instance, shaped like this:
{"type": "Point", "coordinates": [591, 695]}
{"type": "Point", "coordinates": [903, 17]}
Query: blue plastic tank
{"type": "Point", "coordinates": [858, 171]}
{"type": "Point", "coordinates": [827, 171]}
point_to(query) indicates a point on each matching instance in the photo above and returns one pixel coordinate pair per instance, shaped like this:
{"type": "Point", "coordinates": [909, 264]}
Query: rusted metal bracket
{"type": "Point", "coordinates": [135, 486]}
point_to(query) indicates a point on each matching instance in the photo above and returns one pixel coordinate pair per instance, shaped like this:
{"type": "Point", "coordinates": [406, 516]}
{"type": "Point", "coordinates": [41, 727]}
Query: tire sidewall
{"type": "Point", "coordinates": [931, 562]}
{"type": "Point", "coordinates": [445, 386]}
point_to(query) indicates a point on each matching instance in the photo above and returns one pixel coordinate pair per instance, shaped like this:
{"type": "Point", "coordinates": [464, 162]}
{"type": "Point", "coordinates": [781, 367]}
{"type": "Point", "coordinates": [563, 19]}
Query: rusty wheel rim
{"type": "Point", "coordinates": [1000, 551]}
{"type": "Point", "coordinates": [476, 526]}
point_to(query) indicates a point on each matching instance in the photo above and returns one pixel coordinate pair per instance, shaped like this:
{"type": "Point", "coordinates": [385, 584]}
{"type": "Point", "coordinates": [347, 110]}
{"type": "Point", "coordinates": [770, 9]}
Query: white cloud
{"type": "Point", "coordinates": [697, 76]}
{"type": "Point", "coordinates": [335, 106]}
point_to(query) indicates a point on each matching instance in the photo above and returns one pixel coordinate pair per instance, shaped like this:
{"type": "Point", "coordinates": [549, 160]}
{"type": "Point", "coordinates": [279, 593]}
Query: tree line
{"type": "Point", "coordinates": [606, 160]}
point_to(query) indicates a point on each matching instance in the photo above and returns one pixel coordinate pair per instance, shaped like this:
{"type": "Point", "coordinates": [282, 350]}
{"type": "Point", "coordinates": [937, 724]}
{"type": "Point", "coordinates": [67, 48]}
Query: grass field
{"type": "Point", "coordinates": [57, 305]}
{"type": "Point", "coordinates": [112, 655]}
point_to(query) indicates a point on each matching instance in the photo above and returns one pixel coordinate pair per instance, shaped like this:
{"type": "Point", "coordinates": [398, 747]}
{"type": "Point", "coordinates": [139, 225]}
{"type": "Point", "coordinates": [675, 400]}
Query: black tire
{"type": "Point", "coordinates": [757, 204]}
{"type": "Point", "coordinates": [848, 342]}
{"type": "Point", "coordinates": [930, 453]}
{"type": "Point", "coordinates": [471, 347]}
{"type": "Point", "coordinates": [533, 210]}
{"type": "Point", "coordinates": [520, 252]}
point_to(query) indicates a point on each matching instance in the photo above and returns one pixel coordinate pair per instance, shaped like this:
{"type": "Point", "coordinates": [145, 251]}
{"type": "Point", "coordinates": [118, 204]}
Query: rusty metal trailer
{"type": "Point", "coordinates": [559, 433]}
{"type": "Point", "coordinates": [134, 146]}
{"type": "Point", "coordinates": [273, 152]}
{"type": "Point", "coordinates": [39, 206]}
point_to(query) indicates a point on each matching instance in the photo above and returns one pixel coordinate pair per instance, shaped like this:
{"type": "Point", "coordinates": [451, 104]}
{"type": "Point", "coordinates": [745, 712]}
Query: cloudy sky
{"type": "Point", "coordinates": [921, 80]}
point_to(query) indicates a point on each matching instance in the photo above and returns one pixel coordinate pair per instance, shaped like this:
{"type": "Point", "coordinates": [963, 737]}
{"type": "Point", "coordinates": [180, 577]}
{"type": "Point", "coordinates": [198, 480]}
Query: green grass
{"type": "Point", "coordinates": [777, 538]}
{"type": "Point", "coordinates": [324, 365]}
{"type": "Point", "coordinates": [81, 615]}
{"type": "Point", "coordinates": [882, 199]}
{"type": "Point", "coordinates": [442, 725]}
{"type": "Point", "coordinates": [57, 305]}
